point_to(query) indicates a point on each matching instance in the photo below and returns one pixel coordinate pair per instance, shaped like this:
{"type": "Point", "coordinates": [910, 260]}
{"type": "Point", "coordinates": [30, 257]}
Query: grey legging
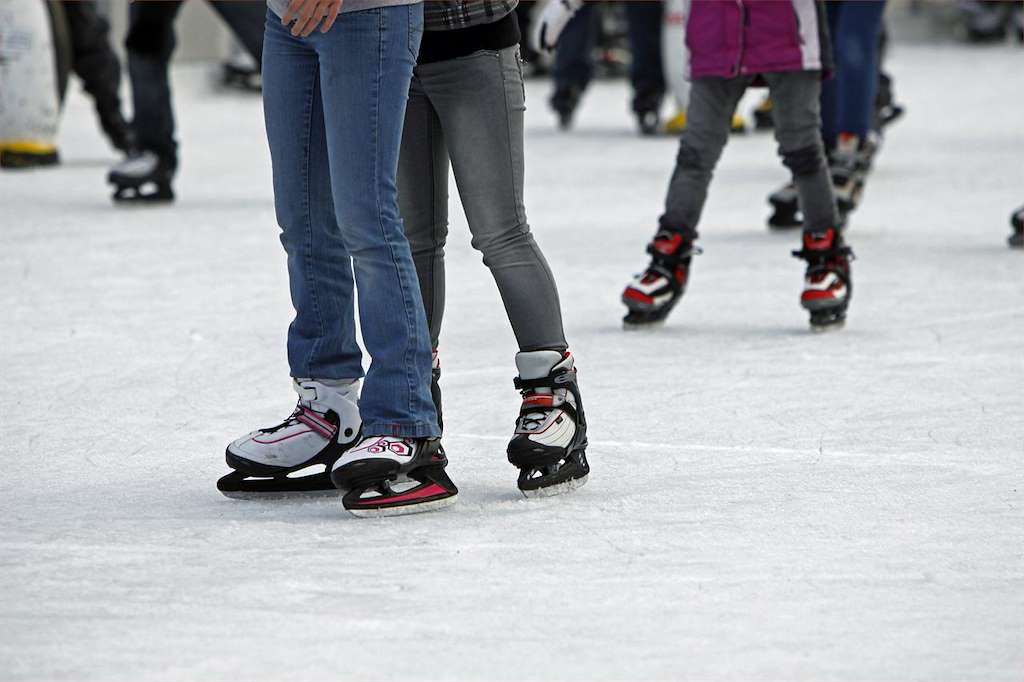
{"type": "Point", "coordinates": [470, 110]}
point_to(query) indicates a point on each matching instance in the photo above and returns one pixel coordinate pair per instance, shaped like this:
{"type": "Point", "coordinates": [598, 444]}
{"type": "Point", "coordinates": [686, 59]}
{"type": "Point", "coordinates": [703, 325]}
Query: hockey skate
{"type": "Point", "coordinates": [143, 177]}
{"type": "Point", "coordinates": [652, 294]}
{"type": "Point", "coordinates": [273, 462]}
{"type": "Point", "coordinates": [1016, 239]}
{"type": "Point", "coordinates": [28, 155]}
{"type": "Point", "coordinates": [677, 124]}
{"type": "Point", "coordinates": [827, 283]}
{"type": "Point", "coordinates": [738, 124]}
{"type": "Point", "coordinates": [391, 476]}
{"type": "Point", "coordinates": [550, 441]}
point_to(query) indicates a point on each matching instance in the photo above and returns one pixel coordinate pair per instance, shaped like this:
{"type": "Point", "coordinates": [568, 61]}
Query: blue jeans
{"type": "Point", "coordinates": [334, 105]}
{"type": "Point", "coordinates": [848, 100]}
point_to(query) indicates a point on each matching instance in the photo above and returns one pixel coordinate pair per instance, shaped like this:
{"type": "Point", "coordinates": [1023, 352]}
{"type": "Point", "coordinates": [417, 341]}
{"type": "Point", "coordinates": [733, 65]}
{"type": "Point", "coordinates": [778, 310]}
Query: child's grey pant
{"type": "Point", "coordinates": [797, 113]}
{"type": "Point", "coordinates": [470, 110]}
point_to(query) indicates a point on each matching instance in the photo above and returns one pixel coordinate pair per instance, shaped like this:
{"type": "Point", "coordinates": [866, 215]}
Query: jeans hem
{"type": "Point", "coordinates": [401, 429]}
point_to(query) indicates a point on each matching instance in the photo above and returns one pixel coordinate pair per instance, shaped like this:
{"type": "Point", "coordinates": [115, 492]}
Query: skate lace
{"type": "Point", "coordinates": [291, 420]}
{"type": "Point", "coordinates": [533, 420]}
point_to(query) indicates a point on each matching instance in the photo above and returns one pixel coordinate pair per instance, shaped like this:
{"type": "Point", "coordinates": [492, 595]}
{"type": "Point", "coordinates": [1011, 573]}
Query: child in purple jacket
{"type": "Point", "coordinates": [783, 44]}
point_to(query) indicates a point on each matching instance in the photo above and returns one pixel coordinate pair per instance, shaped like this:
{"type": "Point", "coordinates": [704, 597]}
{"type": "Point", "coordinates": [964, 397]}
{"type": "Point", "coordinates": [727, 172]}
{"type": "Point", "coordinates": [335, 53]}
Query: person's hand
{"type": "Point", "coordinates": [553, 18]}
{"type": "Point", "coordinates": [307, 14]}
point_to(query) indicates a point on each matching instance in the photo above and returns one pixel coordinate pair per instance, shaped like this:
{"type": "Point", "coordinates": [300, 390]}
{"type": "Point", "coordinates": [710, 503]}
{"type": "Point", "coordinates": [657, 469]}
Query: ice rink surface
{"type": "Point", "coordinates": [765, 503]}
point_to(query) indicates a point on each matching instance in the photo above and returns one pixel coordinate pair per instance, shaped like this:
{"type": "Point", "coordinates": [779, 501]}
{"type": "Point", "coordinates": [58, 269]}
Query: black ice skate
{"type": "Point", "coordinates": [1016, 239]}
{"type": "Point", "coordinates": [785, 203]}
{"type": "Point", "coordinates": [390, 476]}
{"type": "Point", "coordinates": [564, 102]}
{"type": "Point", "coordinates": [550, 441]}
{"type": "Point", "coordinates": [652, 294]}
{"type": "Point", "coordinates": [143, 177]}
{"type": "Point", "coordinates": [827, 283]}
{"type": "Point", "coordinates": [763, 117]}
{"type": "Point", "coordinates": [295, 457]}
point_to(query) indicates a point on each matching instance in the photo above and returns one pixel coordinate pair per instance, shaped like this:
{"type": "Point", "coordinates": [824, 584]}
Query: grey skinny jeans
{"type": "Point", "coordinates": [797, 111]}
{"type": "Point", "coordinates": [469, 110]}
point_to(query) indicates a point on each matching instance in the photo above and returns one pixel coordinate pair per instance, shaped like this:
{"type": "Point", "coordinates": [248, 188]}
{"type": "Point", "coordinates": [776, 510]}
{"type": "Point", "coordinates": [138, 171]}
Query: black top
{"type": "Point", "coordinates": [439, 46]}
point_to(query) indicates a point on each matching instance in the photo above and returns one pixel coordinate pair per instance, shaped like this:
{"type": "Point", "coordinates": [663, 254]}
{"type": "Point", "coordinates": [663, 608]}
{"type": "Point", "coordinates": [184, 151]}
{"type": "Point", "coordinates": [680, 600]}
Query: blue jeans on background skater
{"type": "Point", "coordinates": [848, 100]}
{"type": "Point", "coordinates": [334, 105]}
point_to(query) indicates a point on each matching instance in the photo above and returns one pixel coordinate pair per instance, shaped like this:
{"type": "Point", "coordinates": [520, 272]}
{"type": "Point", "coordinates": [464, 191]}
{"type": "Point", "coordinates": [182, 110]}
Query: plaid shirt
{"type": "Point", "coordinates": [444, 15]}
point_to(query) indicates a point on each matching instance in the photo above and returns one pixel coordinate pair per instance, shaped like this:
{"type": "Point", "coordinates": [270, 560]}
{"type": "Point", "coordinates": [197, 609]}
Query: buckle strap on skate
{"type": "Point", "coordinates": [553, 381]}
{"type": "Point", "coordinates": [316, 422]}
{"type": "Point", "coordinates": [813, 255]}
{"type": "Point", "coordinates": [671, 260]}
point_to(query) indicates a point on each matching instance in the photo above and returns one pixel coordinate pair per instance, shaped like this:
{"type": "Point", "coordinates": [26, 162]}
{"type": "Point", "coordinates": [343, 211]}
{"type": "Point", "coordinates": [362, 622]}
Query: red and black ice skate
{"type": "Point", "coordinates": [652, 294]}
{"type": "Point", "coordinates": [827, 283]}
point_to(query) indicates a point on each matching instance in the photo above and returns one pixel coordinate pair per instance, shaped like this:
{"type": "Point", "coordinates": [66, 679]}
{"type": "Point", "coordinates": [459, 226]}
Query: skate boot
{"type": "Point", "coordinates": [564, 102]}
{"type": "Point", "coordinates": [763, 115]}
{"type": "Point", "coordinates": [677, 124]}
{"type": "Point", "coordinates": [827, 283]}
{"type": "Point", "coordinates": [390, 476]}
{"type": "Point", "coordinates": [652, 294]}
{"type": "Point", "coordinates": [23, 155]}
{"type": "Point", "coordinates": [786, 213]}
{"type": "Point", "coordinates": [847, 165]}
{"type": "Point", "coordinates": [738, 125]}
{"type": "Point", "coordinates": [324, 424]}
{"type": "Point", "coordinates": [649, 122]}
{"type": "Point", "coordinates": [1016, 239]}
{"type": "Point", "coordinates": [143, 177]}
{"type": "Point", "coordinates": [550, 441]}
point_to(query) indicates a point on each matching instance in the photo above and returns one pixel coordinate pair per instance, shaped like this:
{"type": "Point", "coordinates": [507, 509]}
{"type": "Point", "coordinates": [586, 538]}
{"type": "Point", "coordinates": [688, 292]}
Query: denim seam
{"type": "Point", "coordinates": [508, 132]}
{"type": "Point", "coordinates": [310, 277]}
{"type": "Point", "coordinates": [410, 319]}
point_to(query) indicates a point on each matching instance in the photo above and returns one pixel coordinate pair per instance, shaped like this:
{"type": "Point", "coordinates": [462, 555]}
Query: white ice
{"type": "Point", "coordinates": [765, 503]}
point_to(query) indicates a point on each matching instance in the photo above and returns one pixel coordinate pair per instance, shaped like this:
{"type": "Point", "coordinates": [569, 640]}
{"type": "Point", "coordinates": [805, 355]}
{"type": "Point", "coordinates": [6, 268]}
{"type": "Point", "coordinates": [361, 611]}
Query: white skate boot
{"type": "Point", "coordinates": [272, 462]}
{"type": "Point", "coordinates": [550, 442]}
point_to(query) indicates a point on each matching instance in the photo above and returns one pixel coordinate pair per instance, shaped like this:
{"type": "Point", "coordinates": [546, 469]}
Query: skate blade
{"type": "Point", "coordinates": [405, 510]}
{"type": "Point", "coordinates": [279, 494]}
{"type": "Point", "coordinates": [828, 326]}
{"type": "Point", "coordinates": [642, 326]}
{"type": "Point", "coordinates": [557, 489]}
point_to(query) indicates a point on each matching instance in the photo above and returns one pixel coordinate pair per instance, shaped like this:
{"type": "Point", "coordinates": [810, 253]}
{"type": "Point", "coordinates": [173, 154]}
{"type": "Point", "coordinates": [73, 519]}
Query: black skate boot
{"type": "Point", "coordinates": [647, 108]}
{"type": "Point", "coordinates": [652, 294]}
{"type": "Point", "coordinates": [242, 77]}
{"type": "Point", "coordinates": [143, 177]}
{"type": "Point", "coordinates": [295, 457]}
{"type": "Point", "coordinates": [550, 442]}
{"type": "Point", "coordinates": [1016, 239]}
{"type": "Point", "coordinates": [786, 213]}
{"type": "Point", "coordinates": [25, 155]}
{"type": "Point", "coordinates": [391, 476]}
{"type": "Point", "coordinates": [827, 283]}
{"type": "Point", "coordinates": [564, 102]}
{"type": "Point", "coordinates": [763, 119]}
{"type": "Point", "coordinates": [848, 165]}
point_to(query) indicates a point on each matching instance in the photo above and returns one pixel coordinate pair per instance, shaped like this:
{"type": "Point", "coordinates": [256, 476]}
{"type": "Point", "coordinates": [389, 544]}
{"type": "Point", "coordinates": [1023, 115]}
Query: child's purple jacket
{"type": "Point", "coordinates": [729, 38]}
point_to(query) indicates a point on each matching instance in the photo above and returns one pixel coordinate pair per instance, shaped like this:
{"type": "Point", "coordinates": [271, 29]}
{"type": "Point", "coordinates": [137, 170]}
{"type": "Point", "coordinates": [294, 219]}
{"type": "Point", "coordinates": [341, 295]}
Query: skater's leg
{"type": "Point", "coordinates": [479, 101]}
{"type": "Point", "coordinates": [95, 62]}
{"type": "Point", "coordinates": [150, 44]}
{"type": "Point", "coordinates": [795, 96]}
{"type": "Point", "coordinates": [856, 49]}
{"type": "Point", "coordinates": [712, 102]}
{"type": "Point", "coordinates": [574, 63]}
{"type": "Point", "coordinates": [321, 338]}
{"type": "Point", "coordinates": [643, 24]}
{"type": "Point", "coordinates": [246, 19]}
{"type": "Point", "coordinates": [365, 67]}
{"type": "Point", "coordinates": [423, 200]}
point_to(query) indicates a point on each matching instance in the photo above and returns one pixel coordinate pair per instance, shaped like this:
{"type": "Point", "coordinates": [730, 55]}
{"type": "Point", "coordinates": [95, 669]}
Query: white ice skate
{"type": "Point", "coordinates": [550, 441]}
{"type": "Point", "coordinates": [295, 457]}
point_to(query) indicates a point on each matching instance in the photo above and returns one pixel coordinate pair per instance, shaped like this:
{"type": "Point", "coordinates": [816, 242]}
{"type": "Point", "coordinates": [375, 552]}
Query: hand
{"type": "Point", "coordinates": [307, 14]}
{"type": "Point", "coordinates": [553, 18]}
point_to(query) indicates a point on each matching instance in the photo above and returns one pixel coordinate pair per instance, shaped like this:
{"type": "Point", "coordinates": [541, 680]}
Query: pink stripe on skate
{"type": "Point", "coordinates": [416, 494]}
{"type": "Point", "coordinates": [284, 438]}
{"type": "Point", "coordinates": [315, 424]}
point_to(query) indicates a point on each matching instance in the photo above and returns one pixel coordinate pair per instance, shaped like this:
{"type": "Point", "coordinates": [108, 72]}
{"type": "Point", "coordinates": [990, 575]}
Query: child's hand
{"type": "Point", "coordinates": [307, 14]}
{"type": "Point", "coordinates": [553, 18]}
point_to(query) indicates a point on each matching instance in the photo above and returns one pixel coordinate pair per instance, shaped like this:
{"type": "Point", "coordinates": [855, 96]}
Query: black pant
{"type": "Point", "coordinates": [150, 44]}
{"type": "Point", "coordinates": [574, 64]}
